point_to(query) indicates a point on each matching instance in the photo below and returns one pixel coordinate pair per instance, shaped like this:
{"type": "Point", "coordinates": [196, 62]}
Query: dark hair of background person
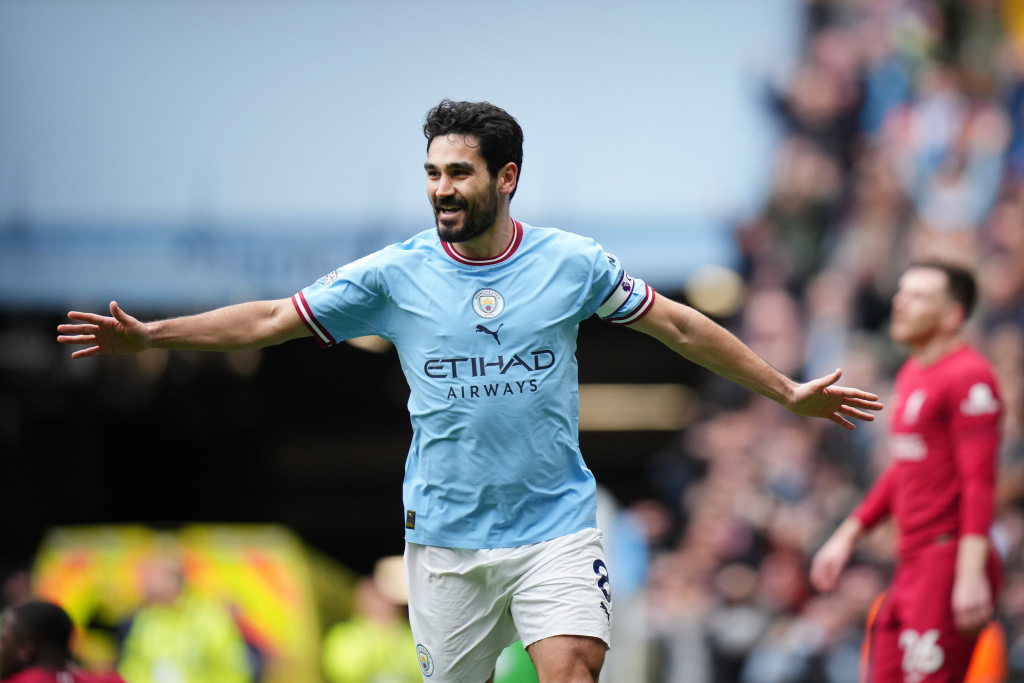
{"type": "Point", "coordinates": [35, 634]}
{"type": "Point", "coordinates": [501, 138]}
{"type": "Point", "coordinates": [45, 625]}
{"type": "Point", "coordinates": [960, 283]}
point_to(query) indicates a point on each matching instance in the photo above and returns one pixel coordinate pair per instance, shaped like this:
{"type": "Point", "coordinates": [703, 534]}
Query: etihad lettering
{"type": "Point", "coordinates": [480, 366]}
{"type": "Point", "coordinates": [493, 389]}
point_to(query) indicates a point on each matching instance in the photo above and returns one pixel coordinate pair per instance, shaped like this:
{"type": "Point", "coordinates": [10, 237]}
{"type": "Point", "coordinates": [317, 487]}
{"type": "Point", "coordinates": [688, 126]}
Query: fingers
{"type": "Point", "coordinates": [861, 403]}
{"type": "Point", "coordinates": [827, 380]}
{"type": "Point", "coordinates": [85, 353]}
{"type": "Point", "coordinates": [82, 328]}
{"type": "Point", "coordinates": [858, 414]}
{"type": "Point", "coordinates": [819, 578]}
{"type": "Point", "coordinates": [849, 392]}
{"type": "Point", "coordinates": [76, 339]}
{"type": "Point", "coordinates": [87, 317]}
{"type": "Point", "coordinates": [120, 315]}
{"type": "Point", "coordinates": [841, 421]}
{"type": "Point", "coordinates": [973, 619]}
{"type": "Point", "coordinates": [84, 333]}
{"type": "Point", "coordinates": [824, 581]}
{"type": "Point", "coordinates": [824, 575]}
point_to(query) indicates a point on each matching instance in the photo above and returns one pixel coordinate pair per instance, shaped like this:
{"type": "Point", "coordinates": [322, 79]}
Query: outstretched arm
{"type": "Point", "coordinates": [696, 337]}
{"type": "Point", "coordinates": [233, 328]}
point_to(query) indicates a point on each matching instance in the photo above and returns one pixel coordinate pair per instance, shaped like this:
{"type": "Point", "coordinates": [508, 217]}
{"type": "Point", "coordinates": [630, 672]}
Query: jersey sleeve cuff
{"type": "Point", "coordinates": [323, 337]}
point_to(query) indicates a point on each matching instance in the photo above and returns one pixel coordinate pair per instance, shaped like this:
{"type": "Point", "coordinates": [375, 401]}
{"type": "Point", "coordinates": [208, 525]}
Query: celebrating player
{"type": "Point", "coordinates": [938, 486]}
{"type": "Point", "coordinates": [484, 311]}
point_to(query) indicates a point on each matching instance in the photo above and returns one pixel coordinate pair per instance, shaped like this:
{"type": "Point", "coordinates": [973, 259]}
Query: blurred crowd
{"type": "Point", "coordinates": [902, 140]}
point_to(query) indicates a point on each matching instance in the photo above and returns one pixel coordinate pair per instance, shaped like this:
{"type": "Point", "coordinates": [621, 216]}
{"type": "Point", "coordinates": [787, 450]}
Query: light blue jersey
{"type": "Point", "coordinates": [488, 348]}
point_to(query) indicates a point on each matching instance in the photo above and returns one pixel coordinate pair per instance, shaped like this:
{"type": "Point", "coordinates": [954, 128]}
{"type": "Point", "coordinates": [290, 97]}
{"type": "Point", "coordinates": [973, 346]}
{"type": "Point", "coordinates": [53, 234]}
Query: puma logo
{"type": "Point", "coordinates": [481, 328]}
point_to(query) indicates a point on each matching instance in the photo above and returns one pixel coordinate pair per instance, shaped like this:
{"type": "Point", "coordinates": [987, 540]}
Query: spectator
{"type": "Point", "coordinates": [375, 646]}
{"type": "Point", "coordinates": [180, 637]}
{"type": "Point", "coordinates": [35, 647]}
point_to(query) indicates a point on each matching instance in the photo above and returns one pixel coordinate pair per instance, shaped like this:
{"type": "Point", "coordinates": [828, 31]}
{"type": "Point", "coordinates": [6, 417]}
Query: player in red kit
{"type": "Point", "coordinates": [34, 642]}
{"type": "Point", "coordinates": [938, 486]}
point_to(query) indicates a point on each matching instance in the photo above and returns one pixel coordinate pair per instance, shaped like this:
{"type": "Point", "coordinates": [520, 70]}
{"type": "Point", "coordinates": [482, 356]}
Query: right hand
{"type": "Point", "coordinates": [829, 562]}
{"type": "Point", "coordinates": [104, 334]}
{"type": "Point", "coordinates": [823, 398]}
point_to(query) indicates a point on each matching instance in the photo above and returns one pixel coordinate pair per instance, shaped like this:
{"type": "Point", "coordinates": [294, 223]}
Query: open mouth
{"type": "Point", "coordinates": [448, 210]}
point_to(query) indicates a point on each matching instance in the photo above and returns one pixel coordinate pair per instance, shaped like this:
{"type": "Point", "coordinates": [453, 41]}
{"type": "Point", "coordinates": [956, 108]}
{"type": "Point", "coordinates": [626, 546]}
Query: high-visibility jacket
{"type": "Point", "coordinates": [366, 651]}
{"type": "Point", "coordinates": [193, 640]}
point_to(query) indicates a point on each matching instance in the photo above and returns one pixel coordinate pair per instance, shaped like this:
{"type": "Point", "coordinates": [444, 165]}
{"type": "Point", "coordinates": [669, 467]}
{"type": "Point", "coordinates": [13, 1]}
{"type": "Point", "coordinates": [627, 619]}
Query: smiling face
{"type": "Point", "coordinates": [461, 190]}
{"type": "Point", "coordinates": [923, 308]}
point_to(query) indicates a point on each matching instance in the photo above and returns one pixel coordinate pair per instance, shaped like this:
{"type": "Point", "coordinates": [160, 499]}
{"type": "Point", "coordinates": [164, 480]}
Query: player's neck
{"type": "Point", "coordinates": [935, 348]}
{"type": "Point", "coordinates": [493, 241]}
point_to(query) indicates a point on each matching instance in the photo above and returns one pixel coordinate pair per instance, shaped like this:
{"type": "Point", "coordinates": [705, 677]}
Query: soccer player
{"type": "Point", "coordinates": [938, 486]}
{"type": "Point", "coordinates": [484, 312]}
{"type": "Point", "coordinates": [34, 647]}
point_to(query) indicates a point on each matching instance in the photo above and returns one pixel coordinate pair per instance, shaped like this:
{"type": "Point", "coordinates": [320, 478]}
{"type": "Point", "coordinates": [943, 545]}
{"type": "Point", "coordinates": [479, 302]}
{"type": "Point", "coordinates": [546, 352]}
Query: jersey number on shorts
{"type": "Point", "coordinates": [922, 654]}
{"type": "Point", "coordinates": [602, 581]}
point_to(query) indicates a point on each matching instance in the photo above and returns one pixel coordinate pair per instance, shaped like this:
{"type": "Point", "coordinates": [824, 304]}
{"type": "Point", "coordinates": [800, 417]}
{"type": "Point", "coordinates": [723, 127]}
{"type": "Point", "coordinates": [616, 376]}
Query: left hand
{"type": "Point", "coordinates": [819, 398]}
{"type": "Point", "coordinates": [972, 603]}
{"type": "Point", "coordinates": [830, 561]}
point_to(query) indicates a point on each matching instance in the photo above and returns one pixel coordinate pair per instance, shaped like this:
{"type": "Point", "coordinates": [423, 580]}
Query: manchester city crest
{"type": "Point", "coordinates": [488, 303]}
{"type": "Point", "coordinates": [426, 661]}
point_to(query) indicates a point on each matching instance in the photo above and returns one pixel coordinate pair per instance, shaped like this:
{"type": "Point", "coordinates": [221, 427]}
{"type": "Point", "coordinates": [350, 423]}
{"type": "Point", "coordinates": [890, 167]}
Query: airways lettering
{"type": "Point", "coordinates": [498, 389]}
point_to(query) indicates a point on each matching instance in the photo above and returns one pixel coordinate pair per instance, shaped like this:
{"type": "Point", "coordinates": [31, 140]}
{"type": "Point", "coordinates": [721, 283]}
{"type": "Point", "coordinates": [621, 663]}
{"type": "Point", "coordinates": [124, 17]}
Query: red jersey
{"type": "Point", "coordinates": [63, 676]}
{"type": "Point", "coordinates": [940, 481]}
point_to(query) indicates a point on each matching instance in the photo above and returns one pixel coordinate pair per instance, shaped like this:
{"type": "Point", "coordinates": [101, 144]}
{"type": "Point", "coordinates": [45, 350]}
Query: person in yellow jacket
{"type": "Point", "coordinates": [374, 646]}
{"type": "Point", "coordinates": [180, 637]}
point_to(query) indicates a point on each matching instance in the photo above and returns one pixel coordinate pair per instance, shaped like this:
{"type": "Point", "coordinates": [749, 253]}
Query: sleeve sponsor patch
{"type": "Point", "coordinates": [618, 296]}
{"type": "Point", "coordinates": [980, 401]}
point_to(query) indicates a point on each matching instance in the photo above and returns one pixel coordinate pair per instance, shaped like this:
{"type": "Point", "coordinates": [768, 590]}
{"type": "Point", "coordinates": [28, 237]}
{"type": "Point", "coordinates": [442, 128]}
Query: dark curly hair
{"type": "Point", "coordinates": [501, 138]}
{"type": "Point", "coordinates": [45, 625]}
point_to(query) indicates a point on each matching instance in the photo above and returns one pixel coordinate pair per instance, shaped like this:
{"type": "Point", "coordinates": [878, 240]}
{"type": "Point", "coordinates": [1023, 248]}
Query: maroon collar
{"type": "Point", "coordinates": [517, 238]}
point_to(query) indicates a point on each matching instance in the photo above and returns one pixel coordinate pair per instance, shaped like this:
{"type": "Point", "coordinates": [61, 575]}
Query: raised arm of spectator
{"type": "Point", "coordinates": [243, 326]}
{"type": "Point", "coordinates": [697, 338]}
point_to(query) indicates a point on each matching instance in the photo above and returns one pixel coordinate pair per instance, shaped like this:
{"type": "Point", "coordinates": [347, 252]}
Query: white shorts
{"type": "Point", "coordinates": [466, 606]}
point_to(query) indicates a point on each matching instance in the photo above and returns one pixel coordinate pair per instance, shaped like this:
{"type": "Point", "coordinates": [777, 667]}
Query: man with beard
{"type": "Point", "coordinates": [484, 310]}
{"type": "Point", "coordinates": [939, 487]}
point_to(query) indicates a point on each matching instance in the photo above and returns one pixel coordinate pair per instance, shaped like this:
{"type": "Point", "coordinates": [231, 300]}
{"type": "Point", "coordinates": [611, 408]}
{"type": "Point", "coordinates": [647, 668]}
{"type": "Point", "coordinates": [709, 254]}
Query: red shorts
{"type": "Point", "coordinates": [913, 637]}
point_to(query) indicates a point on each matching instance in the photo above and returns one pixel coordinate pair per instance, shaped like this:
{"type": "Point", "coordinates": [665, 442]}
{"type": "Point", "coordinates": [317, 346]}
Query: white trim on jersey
{"type": "Point", "coordinates": [639, 312]}
{"type": "Point", "coordinates": [306, 313]}
{"type": "Point", "coordinates": [619, 295]}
